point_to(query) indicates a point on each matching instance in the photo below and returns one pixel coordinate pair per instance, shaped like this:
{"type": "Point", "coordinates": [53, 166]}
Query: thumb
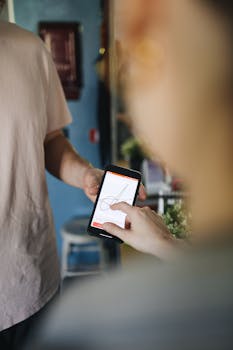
{"type": "Point", "coordinates": [115, 230]}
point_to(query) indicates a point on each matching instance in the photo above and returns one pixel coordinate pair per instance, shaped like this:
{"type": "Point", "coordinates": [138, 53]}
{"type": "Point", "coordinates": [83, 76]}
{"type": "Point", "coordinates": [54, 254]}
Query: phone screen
{"type": "Point", "coordinates": [115, 188]}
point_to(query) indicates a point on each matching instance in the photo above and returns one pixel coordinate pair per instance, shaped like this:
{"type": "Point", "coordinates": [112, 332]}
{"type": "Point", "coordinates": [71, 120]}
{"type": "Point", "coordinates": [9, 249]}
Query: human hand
{"type": "Point", "coordinates": [145, 231]}
{"type": "Point", "coordinates": [91, 182]}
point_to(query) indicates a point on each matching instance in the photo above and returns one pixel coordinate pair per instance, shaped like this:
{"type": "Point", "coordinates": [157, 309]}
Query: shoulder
{"type": "Point", "coordinates": [20, 39]}
{"type": "Point", "coordinates": [25, 48]}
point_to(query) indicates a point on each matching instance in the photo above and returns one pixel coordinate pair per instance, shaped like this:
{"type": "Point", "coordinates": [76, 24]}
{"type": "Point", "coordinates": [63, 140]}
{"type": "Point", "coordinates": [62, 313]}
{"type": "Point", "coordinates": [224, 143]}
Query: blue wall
{"type": "Point", "coordinates": [66, 201]}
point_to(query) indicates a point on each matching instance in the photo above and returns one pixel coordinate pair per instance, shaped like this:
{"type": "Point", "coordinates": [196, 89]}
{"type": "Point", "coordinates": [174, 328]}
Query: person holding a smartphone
{"type": "Point", "coordinates": [33, 111]}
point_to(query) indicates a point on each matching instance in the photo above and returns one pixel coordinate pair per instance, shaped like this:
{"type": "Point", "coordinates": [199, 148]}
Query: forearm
{"type": "Point", "coordinates": [63, 162]}
{"type": "Point", "coordinates": [167, 249]}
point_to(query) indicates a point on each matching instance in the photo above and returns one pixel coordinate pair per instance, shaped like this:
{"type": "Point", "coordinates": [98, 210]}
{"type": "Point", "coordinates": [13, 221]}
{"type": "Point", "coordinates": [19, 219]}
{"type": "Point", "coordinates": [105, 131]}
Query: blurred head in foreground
{"type": "Point", "coordinates": [178, 87]}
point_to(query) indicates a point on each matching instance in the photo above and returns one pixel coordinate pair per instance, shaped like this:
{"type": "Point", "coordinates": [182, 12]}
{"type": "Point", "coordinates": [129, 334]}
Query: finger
{"type": "Point", "coordinates": [92, 198]}
{"type": "Point", "coordinates": [115, 230]}
{"type": "Point", "coordinates": [142, 193]}
{"type": "Point", "coordinates": [92, 191]}
{"type": "Point", "coordinates": [125, 207]}
{"type": "Point", "coordinates": [127, 223]}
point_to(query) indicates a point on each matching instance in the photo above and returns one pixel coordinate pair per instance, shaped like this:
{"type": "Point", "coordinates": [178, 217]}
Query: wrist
{"type": "Point", "coordinates": [165, 248]}
{"type": "Point", "coordinates": [86, 168]}
{"type": "Point", "coordinates": [78, 170]}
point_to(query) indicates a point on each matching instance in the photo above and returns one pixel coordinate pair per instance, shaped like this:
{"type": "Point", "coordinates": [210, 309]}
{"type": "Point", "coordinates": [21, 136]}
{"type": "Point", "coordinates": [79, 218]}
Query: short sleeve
{"type": "Point", "coordinates": [58, 114]}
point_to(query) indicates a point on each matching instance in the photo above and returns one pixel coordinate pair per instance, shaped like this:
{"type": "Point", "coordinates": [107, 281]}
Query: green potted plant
{"type": "Point", "coordinates": [132, 151]}
{"type": "Point", "coordinates": [178, 220]}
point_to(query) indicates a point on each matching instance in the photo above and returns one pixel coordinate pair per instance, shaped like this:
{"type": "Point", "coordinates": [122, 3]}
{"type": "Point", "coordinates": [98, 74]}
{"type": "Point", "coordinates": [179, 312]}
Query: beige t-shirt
{"type": "Point", "coordinates": [32, 104]}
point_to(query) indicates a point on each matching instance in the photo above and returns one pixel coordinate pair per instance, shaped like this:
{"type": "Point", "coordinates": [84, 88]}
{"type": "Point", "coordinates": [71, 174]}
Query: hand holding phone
{"type": "Point", "coordinates": [118, 185]}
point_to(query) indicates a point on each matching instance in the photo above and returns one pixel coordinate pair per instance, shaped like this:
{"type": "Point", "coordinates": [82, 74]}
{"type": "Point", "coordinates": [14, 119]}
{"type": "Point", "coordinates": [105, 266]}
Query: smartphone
{"type": "Point", "coordinates": [118, 185]}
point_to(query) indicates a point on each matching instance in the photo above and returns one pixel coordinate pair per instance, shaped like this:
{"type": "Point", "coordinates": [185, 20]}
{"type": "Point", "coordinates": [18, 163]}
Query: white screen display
{"type": "Point", "coordinates": [116, 188]}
